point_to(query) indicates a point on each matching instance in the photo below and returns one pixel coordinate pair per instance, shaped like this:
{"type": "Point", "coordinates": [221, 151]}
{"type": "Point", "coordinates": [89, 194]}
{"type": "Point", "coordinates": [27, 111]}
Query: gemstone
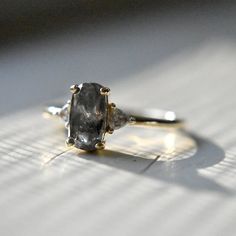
{"type": "Point", "coordinates": [88, 116]}
{"type": "Point", "coordinates": [117, 119]}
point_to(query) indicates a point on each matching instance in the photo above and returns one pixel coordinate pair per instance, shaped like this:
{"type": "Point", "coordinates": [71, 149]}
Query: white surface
{"type": "Point", "coordinates": [190, 190]}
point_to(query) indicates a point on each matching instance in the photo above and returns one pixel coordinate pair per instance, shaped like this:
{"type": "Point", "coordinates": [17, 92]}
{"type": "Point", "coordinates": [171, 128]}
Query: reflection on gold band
{"type": "Point", "coordinates": [155, 118]}
{"type": "Point", "coordinates": [160, 124]}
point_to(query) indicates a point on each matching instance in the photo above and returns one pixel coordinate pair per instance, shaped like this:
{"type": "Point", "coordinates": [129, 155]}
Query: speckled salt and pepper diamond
{"type": "Point", "coordinates": [91, 116]}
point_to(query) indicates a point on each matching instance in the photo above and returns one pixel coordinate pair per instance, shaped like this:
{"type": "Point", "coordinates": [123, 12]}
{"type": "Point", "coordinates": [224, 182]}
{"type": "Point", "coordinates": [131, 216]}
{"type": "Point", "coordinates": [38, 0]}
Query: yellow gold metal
{"type": "Point", "coordinates": [74, 88]}
{"type": "Point", "coordinates": [67, 124]}
{"type": "Point", "coordinates": [117, 118]}
{"type": "Point", "coordinates": [160, 123]}
{"type": "Point", "coordinates": [132, 120]}
{"type": "Point", "coordinates": [100, 145]}
{"type": "Point", "coordinates": [139, 120]}
{"type": "Point", "coordinates": [105, 91]}
{"type": "Point", "coordinates": [110, 131]}
{"type": "Point", "coordinates": [70, 142]}
{"type": "Point", "coordinates": [112, 105]}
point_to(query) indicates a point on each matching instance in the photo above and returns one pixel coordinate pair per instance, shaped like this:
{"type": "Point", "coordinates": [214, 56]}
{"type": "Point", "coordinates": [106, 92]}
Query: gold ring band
{"type": "Point", "coordinates": [89, 116]}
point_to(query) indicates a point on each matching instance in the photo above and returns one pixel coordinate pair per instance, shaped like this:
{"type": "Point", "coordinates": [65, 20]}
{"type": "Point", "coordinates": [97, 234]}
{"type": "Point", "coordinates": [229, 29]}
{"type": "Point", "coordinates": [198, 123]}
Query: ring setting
{"type": "Point", "coordinates": [89, 116]}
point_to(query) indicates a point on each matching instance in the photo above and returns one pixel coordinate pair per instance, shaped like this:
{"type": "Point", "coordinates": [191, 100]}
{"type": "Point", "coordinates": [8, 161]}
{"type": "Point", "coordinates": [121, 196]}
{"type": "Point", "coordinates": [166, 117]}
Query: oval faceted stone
{"type": "Point", "coordinates": [88, 116]}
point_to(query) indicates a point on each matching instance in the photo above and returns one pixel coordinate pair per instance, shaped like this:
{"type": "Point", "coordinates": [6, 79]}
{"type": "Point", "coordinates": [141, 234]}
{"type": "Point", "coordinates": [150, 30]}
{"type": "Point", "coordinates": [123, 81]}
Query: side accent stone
{"type": "Point", "coordinates": [117, 119]}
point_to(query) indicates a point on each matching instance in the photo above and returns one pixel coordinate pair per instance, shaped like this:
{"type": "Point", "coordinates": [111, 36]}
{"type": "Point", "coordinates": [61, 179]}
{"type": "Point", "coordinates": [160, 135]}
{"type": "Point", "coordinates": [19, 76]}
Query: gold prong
{"type": "Point", "coordinates": [110, 131]}
{"type": "Point", "coordinates": [67, 124]}
{"type": "Point", "coordinates": [132, 120]}
{"type": "Point", "coordinates": [105, 91]}
{"type": "Point", "coordinates": [70, 142]}
{"type": "Point", "coordinates": [112, 105]}
{"type": "Point", "coordinates": [74, 88]}
{"type": "Point", "coordinates": [100, 145]}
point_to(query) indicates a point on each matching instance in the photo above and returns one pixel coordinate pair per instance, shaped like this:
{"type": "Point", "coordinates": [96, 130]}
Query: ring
{"type": "Point", "coordinates": [88, 116]}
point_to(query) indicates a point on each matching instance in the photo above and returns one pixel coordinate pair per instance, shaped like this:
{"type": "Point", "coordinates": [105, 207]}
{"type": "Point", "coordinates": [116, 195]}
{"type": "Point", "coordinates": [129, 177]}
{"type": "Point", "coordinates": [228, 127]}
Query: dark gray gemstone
{"type": "Point", "coordinates": [88, 116]}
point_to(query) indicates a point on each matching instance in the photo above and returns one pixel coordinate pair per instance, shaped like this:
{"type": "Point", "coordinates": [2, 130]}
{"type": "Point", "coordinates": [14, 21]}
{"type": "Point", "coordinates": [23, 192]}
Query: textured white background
{"type": "Point", "coordinates": [185, 62]}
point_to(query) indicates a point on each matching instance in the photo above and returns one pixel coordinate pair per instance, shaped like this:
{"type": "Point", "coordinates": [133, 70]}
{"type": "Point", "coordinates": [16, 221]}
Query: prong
{"type": "Point", "coordinates": [110, 131]}
{"type": "Point", "coordinates": [67, 124]}
{"type": "Point", "coordinates": [132, 120]}
{"type": "Point", "coordinates": [112, 105]}
{"type": "Point", "coordinates": [105, 91]}
{"type": "Point", "coordinates": [100, 145]}
{"type": "Point", "coordinates": [74, 88]}
{"type": "Point", "coordinates": [70, 142]}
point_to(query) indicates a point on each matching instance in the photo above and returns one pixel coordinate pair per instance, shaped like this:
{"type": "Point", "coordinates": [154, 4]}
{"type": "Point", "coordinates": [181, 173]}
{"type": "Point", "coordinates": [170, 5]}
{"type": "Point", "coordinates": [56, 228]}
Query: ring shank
{"type": "Point", "coordinates": [147, 117]}
{"type": "Point", "coordinates": [156, 118]}
{"type": "Point", "coordinates": [162, 123]}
